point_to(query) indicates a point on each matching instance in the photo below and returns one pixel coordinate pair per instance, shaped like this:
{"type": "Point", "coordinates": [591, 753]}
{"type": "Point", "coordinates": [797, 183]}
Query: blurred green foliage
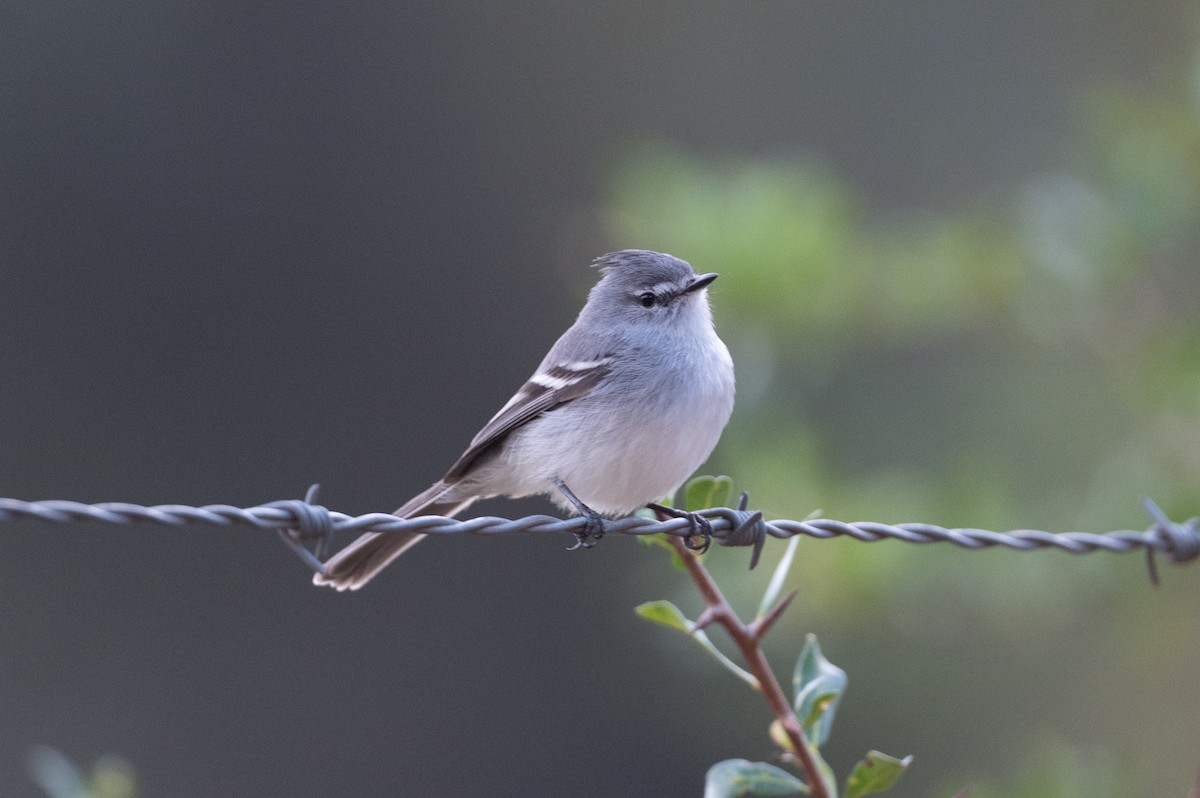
{"type": "Point", "coordinates": [1064, 772]}
{"type": "Point", "coordinates": [1028, 359]}
{"type": "Point", "coordinates": [1031, 358]}
{"type": "Point", "coordinates": [59, 777]}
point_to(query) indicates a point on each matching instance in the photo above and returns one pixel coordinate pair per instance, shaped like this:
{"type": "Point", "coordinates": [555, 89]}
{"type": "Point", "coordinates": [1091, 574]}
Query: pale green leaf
{"type": "Point", "coordinates": [740, 778]}
{"type": "Point", "coordinates": [665, 613]}
{"type": "Point", "coordinates": [875, 773]}
{"type": "Point", "coordinates": [704, 492]}
{"type": "Point", "coordinates": [818, 685]}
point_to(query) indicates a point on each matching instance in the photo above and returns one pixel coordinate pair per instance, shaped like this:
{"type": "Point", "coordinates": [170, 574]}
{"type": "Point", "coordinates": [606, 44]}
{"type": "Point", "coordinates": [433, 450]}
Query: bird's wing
{"type": "Point", "coordinates": [546, 390]}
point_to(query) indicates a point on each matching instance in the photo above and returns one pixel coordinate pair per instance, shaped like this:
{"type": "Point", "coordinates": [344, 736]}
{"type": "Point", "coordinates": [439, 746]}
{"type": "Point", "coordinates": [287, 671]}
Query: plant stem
{"type": "Point", "coordinates": [746, 639]}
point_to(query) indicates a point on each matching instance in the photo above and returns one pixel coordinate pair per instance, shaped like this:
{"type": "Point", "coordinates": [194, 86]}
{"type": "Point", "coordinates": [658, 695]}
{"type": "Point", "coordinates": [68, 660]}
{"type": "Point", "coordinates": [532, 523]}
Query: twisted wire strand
{"type": "Point", "coordinates": [303, 520]}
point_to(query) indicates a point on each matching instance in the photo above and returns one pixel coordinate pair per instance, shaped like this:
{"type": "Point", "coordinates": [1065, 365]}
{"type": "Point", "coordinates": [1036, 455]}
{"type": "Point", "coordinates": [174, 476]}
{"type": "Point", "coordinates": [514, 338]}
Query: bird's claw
{"type": "Point", "coordinates": [700, 527]}
{"type": "Point", "coordinates": [593, 530]}
{"type": "Point", "coordinates": [593, 523]}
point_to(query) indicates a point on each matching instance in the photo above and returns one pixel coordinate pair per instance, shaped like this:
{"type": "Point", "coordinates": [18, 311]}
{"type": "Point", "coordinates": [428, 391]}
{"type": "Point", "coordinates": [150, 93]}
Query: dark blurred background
{"type": "Point", "coordinates": [248, 247]}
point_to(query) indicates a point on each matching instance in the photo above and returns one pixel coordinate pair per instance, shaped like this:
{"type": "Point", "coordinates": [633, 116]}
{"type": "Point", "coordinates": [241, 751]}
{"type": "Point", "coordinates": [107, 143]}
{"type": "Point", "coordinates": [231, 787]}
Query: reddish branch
{"type": "Point", "coordinates": [747, 638]}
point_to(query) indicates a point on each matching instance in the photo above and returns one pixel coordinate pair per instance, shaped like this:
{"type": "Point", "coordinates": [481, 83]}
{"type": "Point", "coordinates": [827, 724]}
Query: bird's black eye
{"type": "Point", "coordinates": [647, 299]}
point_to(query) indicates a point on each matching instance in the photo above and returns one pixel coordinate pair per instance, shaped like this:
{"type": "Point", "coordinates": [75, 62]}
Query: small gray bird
{"type": "Point", "coordinates": [625, 406]}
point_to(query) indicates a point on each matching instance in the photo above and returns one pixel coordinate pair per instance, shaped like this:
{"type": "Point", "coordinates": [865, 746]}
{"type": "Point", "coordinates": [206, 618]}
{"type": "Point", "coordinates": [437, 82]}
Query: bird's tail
{"type": "Point", "coordinates": [357, 564]}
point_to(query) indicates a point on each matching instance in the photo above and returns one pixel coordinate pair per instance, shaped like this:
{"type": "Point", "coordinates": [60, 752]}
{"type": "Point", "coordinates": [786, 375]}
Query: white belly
{"type": "Point", "coordinates": [639, 443]}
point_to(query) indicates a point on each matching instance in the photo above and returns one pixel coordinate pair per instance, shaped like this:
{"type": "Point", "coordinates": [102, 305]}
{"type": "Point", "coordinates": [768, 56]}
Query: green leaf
{"type": "Point", "coordinates": [818, 686]}
{"type": "Point", "coordinates": [665, 613]}
{"type": "Point", "coordinates": [704, 492]}
{"type": "Point", "coordinates": [775, 586]}
{"type": "Point", "coordinates": [818, 706]}
{"type": "Point", "coordinates": [875, 773]}
{"type": "Point", "coordinates": [738, 778]}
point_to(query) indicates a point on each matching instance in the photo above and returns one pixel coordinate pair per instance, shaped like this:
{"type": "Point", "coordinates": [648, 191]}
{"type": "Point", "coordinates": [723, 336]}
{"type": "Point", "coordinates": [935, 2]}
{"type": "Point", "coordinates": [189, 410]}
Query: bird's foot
{"type": "Point", "coordinates": [593, 525]}
{"type": "Point", "coordinates": [593, 530]}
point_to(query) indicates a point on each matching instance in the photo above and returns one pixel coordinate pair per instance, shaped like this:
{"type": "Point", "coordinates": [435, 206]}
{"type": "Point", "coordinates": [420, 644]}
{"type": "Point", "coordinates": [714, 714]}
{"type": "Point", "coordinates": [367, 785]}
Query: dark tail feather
{"type": "Point", "coordinates": [357, 564]}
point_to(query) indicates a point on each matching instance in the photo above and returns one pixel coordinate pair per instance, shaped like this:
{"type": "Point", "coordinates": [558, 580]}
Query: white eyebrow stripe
{"type": "Point", "coordinates": [667, 287]}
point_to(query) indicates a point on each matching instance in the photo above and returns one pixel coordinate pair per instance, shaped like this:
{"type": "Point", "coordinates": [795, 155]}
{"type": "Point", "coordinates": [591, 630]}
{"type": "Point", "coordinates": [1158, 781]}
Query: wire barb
{"type": "Point", "coordinates": [747, 528]}
{"type": "Point", "coordinates": [301, 521]}
{"type": "Point", "coordinates": [1180, 542]}
{"type": "Point", "coordinates": [313, 522]}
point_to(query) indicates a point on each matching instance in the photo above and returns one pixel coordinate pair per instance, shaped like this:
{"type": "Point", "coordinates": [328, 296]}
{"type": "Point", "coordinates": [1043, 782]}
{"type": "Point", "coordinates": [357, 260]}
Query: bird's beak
{"type": "Point", "coordinates": [700, 282]}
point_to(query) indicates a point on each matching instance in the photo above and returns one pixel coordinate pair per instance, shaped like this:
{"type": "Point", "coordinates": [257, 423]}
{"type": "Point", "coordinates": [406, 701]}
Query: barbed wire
{"type": "Point", "coordinates": [300, 521]}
